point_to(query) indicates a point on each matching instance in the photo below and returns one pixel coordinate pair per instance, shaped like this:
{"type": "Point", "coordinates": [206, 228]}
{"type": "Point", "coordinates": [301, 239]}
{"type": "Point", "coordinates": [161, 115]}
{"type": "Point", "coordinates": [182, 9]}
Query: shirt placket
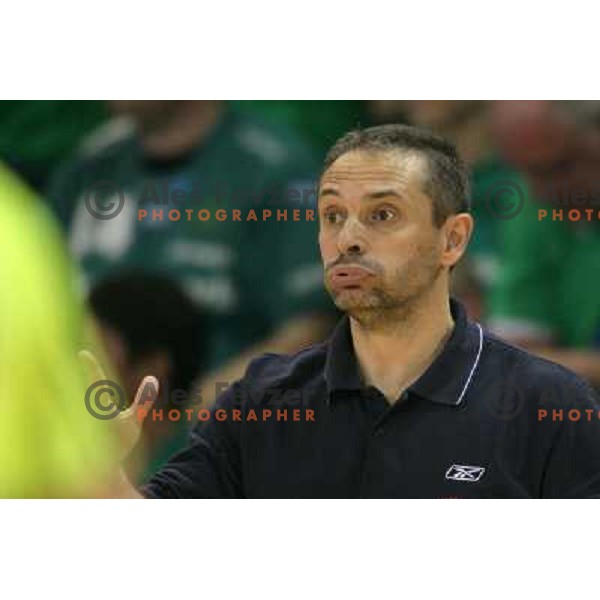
{"type": "Point", "coordinates": [379, 412]}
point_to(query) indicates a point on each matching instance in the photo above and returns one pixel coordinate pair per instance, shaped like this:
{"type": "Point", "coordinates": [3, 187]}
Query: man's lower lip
{"type": "Point", "coordinates": [348, 281]}
{"type": "Point", "coordinates": [349, 275]}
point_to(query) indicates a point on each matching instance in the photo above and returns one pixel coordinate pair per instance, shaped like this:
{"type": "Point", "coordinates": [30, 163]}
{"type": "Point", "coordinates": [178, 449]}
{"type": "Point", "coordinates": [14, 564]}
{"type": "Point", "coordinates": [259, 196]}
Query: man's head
{"type": "Point", "coordinates": [146, 113]}
{"type": "Point", "coordinates": [159, 115]}
{"type": "Point", "coordinates": [394, 218]}
{"type": "Point", "coordinates": [438, 115]}
{"type": "Point", "coordinates": [149, 325]}
{"type": "Point", "coordinates": [556, 144]}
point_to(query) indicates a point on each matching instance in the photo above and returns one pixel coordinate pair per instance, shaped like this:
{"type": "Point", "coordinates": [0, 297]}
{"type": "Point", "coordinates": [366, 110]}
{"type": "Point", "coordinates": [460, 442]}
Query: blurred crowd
{"type": "Point", "coordinates": [193, 301]}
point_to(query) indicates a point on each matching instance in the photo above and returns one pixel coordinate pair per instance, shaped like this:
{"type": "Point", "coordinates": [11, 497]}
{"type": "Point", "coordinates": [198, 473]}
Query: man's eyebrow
{"type": "Point", "coordinates": [383, 194]}
{"type": "Point", "coordinates": [329, 192]}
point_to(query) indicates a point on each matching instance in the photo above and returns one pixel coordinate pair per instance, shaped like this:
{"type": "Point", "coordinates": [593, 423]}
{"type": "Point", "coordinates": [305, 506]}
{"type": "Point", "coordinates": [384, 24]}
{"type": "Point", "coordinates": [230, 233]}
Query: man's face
{"type": "Point", "coordinates": [379, 245]}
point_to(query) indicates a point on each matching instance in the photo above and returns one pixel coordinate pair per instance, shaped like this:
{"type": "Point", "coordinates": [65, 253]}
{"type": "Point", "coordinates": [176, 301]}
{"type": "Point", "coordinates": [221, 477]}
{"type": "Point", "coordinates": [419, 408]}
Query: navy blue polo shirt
{"type": "Point", "coordinates": [486, 419]}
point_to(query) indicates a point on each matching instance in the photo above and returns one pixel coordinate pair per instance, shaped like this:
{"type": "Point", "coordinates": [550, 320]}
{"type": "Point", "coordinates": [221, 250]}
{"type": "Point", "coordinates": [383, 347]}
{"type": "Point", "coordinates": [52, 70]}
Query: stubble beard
{"type": "Point", "coordinates": [387, 306]}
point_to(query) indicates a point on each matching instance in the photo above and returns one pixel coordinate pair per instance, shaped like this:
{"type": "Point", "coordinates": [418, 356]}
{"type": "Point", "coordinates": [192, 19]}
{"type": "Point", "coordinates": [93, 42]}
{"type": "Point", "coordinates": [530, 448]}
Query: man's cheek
{"type": "Point", "coordinates": [327, 247]}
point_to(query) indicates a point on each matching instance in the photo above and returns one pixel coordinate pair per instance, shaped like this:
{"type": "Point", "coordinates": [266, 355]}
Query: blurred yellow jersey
{"type": "Point", "coordinates": [50, 445]}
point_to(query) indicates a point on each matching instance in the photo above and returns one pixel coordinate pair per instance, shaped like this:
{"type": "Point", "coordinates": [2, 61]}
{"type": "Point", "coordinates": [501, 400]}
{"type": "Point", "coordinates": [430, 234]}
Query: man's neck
{"type": "Point", "coordinates": [180, 132]}
{"type": "Point", "coordinates": [395, 353]}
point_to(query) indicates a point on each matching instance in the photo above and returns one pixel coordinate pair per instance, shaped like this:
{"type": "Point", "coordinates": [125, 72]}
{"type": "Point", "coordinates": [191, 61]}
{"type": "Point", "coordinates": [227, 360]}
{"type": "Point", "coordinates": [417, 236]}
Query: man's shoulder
{"type": "Point", "coordinates": [298, 369]}
{"type": "Point", "coordinates": [108, 143]}
{"type": "Point", "coordinates": [95, 165]}
{"type": "Point", "coordinates": [521, 367]}
{"type": "Point", "coordinates": [269, 145]}
{"type": "Point", "coordinates": [98, 158]}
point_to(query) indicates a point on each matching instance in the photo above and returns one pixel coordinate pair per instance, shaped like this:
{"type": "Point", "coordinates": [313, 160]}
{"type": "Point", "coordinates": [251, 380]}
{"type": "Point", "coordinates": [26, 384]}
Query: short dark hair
{"type": "Point", "coordinates": [448, 181]}
{"type": "Point", "coordinates": [153, 313]}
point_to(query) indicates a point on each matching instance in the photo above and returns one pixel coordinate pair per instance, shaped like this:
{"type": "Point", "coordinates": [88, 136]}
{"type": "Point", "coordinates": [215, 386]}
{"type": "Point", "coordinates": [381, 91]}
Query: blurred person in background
{"type": "Point", "coordinates": [466, 123]}
{"type": "Point", "coordinates": [36, 135]}
{"type": "Point", "coordinates": [50, 445]}
{"type": "Point", "coordinates": [149, 325]}
{"type": "Point", "coordinates": [320, 122]}
{"type": "Point", "coordinates": [258, 282]}
{"type": "Point", "coordinates": [547, 296]}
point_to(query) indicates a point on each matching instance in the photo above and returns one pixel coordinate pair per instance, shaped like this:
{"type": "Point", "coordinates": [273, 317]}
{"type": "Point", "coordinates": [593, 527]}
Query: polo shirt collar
{"type": "Point", "coordinates": [447, 379]}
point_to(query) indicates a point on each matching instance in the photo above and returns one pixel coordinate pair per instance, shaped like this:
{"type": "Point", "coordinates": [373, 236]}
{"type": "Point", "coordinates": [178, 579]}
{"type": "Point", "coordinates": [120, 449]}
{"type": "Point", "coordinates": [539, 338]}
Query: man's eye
{"type": "Point", "coordinates": [383, 214]}
{"type": "Point", "coordinates": [333, 217]}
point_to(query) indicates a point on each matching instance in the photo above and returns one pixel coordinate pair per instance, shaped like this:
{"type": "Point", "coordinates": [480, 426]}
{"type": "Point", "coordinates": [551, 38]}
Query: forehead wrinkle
{"type": "Point", "coordinates": [368, 183]}
{"type": "Point", "coordinates": [404, 172]}
{"type": "Point", "coordinates": [382, 166]}
{"type": "Point", "coordinates": [388, 178]}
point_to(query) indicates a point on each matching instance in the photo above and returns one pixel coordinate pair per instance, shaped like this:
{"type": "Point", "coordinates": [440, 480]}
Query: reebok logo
{"type": "Point", "coordinates": [465, 473]}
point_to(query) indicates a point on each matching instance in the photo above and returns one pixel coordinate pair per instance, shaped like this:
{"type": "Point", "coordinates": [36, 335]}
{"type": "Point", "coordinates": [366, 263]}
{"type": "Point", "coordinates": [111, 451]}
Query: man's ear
{"type": "Point", "coordinates": [457, 232]}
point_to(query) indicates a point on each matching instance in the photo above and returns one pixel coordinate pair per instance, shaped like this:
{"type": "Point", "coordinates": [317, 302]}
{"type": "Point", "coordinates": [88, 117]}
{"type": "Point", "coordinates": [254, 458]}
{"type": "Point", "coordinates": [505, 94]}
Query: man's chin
{"type": "Point", "coordinates": [351, 300]}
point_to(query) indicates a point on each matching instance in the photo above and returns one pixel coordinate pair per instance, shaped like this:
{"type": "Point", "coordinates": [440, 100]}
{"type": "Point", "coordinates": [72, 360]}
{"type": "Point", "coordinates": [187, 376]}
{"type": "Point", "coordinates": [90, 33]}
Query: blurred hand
{"type": "Point", "coordinates": [127, 422]}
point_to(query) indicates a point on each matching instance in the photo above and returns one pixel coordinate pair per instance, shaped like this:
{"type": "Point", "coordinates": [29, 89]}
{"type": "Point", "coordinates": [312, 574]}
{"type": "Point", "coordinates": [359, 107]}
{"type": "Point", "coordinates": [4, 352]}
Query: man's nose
{"type": "Point", "coordinates": [352, 238]}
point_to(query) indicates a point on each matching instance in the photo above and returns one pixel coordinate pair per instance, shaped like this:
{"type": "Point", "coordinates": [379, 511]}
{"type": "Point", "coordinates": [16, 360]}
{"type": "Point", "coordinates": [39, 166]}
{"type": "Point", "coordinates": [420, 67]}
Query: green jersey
{"type": "Point", "coordinates": [488, 184]}
{"type": "Point", "coordinates": [320, 122]}
{"type": "Point", "coordinates": [549, 283]}
{"type": "Point", "coordinates": [248, 275]}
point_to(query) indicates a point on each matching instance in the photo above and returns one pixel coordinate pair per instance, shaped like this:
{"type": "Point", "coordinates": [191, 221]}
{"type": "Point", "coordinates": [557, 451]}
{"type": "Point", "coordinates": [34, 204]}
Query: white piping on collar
{"type": "Point", "coordinates": [475, 364]}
